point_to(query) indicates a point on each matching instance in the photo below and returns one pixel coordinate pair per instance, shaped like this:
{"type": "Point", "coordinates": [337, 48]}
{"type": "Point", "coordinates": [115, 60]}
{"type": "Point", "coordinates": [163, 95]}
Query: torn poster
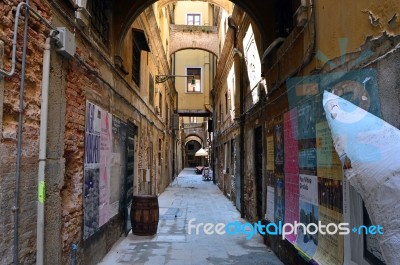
{"type": "Point", "coordinates": [369, 150]}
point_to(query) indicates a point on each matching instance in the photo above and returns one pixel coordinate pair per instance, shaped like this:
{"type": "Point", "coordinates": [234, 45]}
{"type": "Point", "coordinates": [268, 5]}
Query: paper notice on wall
{"type": "Point", "coordinates": [270, 203]}
{"type": "Point", "coordinates": [369, 149]}
{"type": "Point", "coordinates": [308, 186]}
{"type": "Point", "coordinates": [291, 170]}
{"type": "Point", "coordinates": [330, 247]}
{"type": "Point", "coordinates": [118, 162]}
{"type": "Point", "coordinates": [328, 162]}
{"type": "Point", "coordinates": [270, 153]}
{"type": "Point", "coordinates": [147, 175]}
{"type": "Point", "coordinates": [91, 169]}
{"type": "Point", "coordinates": [279, 206]}
{"type": "Point", "coordinates": [105, 166]}
{"type": "Point", "coordinates": [253, 62]}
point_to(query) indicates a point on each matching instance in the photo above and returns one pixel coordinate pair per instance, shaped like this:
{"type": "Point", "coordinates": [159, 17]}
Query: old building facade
{"type": "Point", "coordinates": [274, 154]}
{"type": "Point", "coordinates": [120, 120]}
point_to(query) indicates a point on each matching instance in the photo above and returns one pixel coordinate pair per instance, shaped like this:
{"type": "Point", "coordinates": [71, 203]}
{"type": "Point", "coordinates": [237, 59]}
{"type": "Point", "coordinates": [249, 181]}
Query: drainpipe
{"type": "Point", "coordinates": [15, 209]}
{"type": "Point", "coordinates": [42, 152]}
{"type": "Point", "coordinates": [241, 134]}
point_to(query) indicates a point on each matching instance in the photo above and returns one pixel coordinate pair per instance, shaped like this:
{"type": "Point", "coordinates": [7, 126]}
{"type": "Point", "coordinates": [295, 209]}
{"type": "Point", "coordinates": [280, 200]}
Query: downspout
{"type": "Point", "coordinates": [20, 119]}
{"type": "Point", "coordinates": [42, 151]}
{"type": "Point", "coordinates": [272, 46]}
{"type": "Point", "coordinates": [241, 141]}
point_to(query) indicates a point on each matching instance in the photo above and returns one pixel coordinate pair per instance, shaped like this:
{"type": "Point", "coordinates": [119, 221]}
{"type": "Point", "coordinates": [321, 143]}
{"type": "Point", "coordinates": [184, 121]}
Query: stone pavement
{"type": "Point", "coordinates": [186, 198]}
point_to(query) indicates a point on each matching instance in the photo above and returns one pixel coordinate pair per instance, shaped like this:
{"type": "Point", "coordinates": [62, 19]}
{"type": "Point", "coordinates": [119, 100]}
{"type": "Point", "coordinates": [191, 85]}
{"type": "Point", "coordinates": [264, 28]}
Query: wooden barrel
{"type": "Point", "coordinates": [144, 215]}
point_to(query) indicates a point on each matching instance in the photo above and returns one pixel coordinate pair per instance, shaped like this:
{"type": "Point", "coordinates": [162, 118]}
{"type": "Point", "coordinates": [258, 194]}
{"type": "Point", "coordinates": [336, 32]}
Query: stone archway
{"type": "Point", "coordinates": [194, 138]}
{"type": "Point", "coordinates": [125, 12]}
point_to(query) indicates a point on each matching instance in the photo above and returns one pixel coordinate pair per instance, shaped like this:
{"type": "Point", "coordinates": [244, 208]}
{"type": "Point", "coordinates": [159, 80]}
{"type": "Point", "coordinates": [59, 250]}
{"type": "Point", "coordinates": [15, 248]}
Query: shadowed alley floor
{"type": "Point", "coordinates": [186, 198]}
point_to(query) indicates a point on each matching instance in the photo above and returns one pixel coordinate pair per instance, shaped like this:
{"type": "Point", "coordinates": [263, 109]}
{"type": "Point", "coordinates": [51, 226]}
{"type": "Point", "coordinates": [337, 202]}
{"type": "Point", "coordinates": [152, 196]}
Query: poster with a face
{"type": "Point", "coordinates": [253, 62]}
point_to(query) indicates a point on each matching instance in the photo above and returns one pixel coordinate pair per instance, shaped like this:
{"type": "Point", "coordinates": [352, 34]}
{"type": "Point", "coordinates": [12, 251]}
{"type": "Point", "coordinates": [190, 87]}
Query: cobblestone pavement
{"type": "Point", "coordinates": [186, 198]}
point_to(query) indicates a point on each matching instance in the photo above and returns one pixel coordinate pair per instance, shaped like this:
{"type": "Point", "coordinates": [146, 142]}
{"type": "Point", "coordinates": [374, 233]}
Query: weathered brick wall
{"type": "Point", "coordinates": [30, 134]}
{"type": "Point", "coordinates": [71, 193]}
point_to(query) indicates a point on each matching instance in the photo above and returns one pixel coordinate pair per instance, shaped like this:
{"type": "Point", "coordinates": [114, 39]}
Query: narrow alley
{"type": "Point", "coordinates": [186, 198]}
{"type": "Point", "coordinates": [292, 105]}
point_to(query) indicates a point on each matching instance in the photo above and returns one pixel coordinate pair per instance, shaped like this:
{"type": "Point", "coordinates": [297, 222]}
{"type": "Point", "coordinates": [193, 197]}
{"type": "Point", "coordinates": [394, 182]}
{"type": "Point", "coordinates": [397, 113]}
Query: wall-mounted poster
{"type": "Point", "coordinates": [97, 168]}
{"type": "Point", "coordinates": [278, 145]}
{"type": "Point", "coordinates": [291, 170]}
{"type": "Point", "coordinates": [308, 186]}
{"type": "Point", "coordinates": [105, 166]}
{"type": "Point", "coordinates": [118, 164]}
{"type": "Point", "coordinates": [270, 153]}
{"type": "Point", "coordinates": [91, 169]}
{"type": "Point", "coordinates": [253, 62]}
{"type": "Point", "coordinates": [330, 196]}
{"type": "Point", "coordinates": [270, 203]}
{"type": "Point", "coordinates": [279, 205]}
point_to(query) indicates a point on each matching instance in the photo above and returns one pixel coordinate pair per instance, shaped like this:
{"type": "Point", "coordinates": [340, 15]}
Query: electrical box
{"type": "Point", "coordinates": [65, 42]}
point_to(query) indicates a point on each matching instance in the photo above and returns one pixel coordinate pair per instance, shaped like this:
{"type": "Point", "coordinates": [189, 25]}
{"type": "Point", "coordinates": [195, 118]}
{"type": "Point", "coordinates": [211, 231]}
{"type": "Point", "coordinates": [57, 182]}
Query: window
{"type": "Point", "coordinates": [226, 103]}
{"type": "Point", "coordinates": [99, 20]}
{"type": "Point", "coordinates": [194, 81]}
{"type": "Point", "coordinates": [192, 119]}
{"type": "Point", "coordinates": [136, 63]}
{"type": "Point", "coordinates": [160, 106]}
{"type": "Point", "coordinates": [139, 43]}
{"type": "Point", "coordinates": [151, 90]}
{"type": "Point", "coordinates": [193, 19]}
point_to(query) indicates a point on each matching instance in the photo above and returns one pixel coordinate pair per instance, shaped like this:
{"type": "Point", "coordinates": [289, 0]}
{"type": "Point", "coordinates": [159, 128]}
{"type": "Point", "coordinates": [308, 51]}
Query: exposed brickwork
{"type": "Point", "coordinates": [30, 134]}
{"type": "Point", "coordinates": [71, 193]}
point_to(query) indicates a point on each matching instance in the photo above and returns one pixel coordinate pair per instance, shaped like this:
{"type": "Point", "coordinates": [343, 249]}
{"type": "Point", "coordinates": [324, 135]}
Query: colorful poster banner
{"type": "Point", "coordinates": [270, 203]}
{"type": "Point", "coordinates": [91, 169]}
{"type": "Point", "coordinates": [270, 153]}
{"type": "Point", "coordinates": [278, 145]}
{"type": "Point", "coordinates": [291, 170]}
{"type": "Point", "coordinates": [308, 186]}
{"type": "Point", "coordinates": [279, 205]}
{"type": "Point", "coordinates": [330, 247]}
{"type": "Point", "coordinates": [105, 167]}
{"type": "Point", "coordinates": [118, 164]}
{"type": "Point", "coordinates": [97, 168]}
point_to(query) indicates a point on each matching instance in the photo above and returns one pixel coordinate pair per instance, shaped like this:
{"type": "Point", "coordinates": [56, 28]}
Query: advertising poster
{"type": "Point", "coordinates": [91, 169]}
{"type": "Point", "coordinates": [270, 153]}
{"type": "Point", "coordinates": [118, 164]}
{"type": "Point", "coordinates": [278, 145]}
{"type": "Point", "coordinates": [105, 166]}
{"type": "Point", "coordinates": [270, 203]}
{"type": "Point", "coordinates": [330, 196]}
{"type": "Point", "coordinates": [279, 203]}
{"type": "Point", "coordinates": [253, 62]}
{"type": "Point", "coordinates": [330, 247]}
{"type": "Point", "coordinates": [291, 170]}
{"type": "Point", "coordinates": [308, 206]}
{"type": "Point", "coordinates": [328, 162]}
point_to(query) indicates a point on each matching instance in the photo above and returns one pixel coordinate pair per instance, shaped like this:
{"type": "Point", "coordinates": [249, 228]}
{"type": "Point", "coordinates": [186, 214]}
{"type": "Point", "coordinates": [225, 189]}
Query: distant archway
{"type": "Point", "coordinates": [194, 138]}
